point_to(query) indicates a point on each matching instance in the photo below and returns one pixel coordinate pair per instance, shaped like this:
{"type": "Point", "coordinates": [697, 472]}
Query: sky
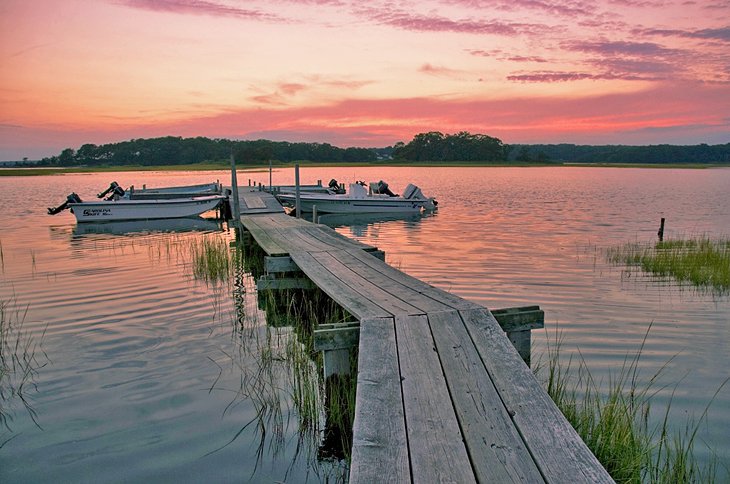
{"type": "Point", "coordinates": [362, 73]}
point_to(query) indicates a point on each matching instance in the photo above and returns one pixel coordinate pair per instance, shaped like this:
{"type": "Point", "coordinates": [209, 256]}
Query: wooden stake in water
{"type": "Point", "coordinates": [270, 186]}
{"type": "Point", "coordinates": [314, 214]}
{"type": "Point", "coordinates": [297, 205]}
{"type": "Point", "coordinates": [661, 230]}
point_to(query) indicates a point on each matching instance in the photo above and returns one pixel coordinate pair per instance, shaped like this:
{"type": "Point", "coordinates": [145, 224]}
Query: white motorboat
{"type": "Point", "coordinates": [144, 193]}
{"type": "Point", "coordinates": [125, 209]}
{"type": "Point", "coordinates": [360, 200]}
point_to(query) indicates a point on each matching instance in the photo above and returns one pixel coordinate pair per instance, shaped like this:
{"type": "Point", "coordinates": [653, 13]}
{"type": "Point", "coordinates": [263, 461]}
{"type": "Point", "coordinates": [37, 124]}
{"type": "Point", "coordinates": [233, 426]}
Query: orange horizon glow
{"type": "Point", "coordinates": [354, 74]}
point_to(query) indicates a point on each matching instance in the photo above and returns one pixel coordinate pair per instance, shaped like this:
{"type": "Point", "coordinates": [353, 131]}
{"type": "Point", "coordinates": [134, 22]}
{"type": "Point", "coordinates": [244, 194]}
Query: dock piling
{"type": "Point", "coordinates": [297, 205]}
{"type": "Point", "coordinates": [234, 192]}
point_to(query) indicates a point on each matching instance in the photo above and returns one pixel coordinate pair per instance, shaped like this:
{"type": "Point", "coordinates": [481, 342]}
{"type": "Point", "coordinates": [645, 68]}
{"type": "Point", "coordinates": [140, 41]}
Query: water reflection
{"type": "Point", "coordinates": [359, 225]}
{"type": "Point", "coordinates": [133, 336]}
{"type": "Point", "coordinates": [128, 227]}
{"type": "Point", "coordinates": [281, 371]}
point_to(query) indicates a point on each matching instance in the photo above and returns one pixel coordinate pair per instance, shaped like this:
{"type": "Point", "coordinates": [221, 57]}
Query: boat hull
{"type": "Point", "coordinates": [143, 209]}
{"type": "Point", "coordinates": [343, 204]}
{"type": "Point", "coordinates": [188, 191]}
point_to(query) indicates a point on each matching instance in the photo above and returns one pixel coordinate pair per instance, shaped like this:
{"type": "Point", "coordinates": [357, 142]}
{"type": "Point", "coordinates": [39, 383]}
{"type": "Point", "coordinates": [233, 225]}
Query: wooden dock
{"type": "Point", "coordinates": [442, 395]}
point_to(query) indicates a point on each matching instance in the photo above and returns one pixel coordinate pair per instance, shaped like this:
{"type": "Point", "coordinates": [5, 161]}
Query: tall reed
{"type": "Point", "coordinates": [613, 421]}
{"type": "Point", "coordinates": [212, 259]}
{"type": "Point", "coordinates": [21, 356]}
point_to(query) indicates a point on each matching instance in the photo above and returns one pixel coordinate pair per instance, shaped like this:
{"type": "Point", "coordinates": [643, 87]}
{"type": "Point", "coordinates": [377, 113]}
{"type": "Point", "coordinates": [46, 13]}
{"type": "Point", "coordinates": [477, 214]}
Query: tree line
{"type": "Point", "coordinates": [651, 154]}
{"type": "Point", "coordinates": [171, 150]}
{"type": "Point", "coordinates": [432, 146]}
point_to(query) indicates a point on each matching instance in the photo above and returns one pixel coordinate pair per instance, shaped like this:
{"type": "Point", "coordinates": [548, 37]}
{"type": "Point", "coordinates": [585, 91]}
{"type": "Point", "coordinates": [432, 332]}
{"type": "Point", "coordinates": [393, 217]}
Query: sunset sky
{"type": "Point", "coordinates": [362, 73]}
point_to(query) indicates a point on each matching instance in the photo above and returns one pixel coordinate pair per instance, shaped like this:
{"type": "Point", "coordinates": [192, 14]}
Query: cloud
{"type": "Point", "coordinates": [526, 58]}
{"type": "Point", "coordinates": [284, 91]}
{"type": "Point", "coordinates": [411, 21]}
{"type": "Point", "coordinates": [721, 34]}
{"type": "Point", "coordinates": [500, 55]}
{"type": "Point", "coordinates": [552, 77]}
{"type": "Point", "coordinates": [619, 48]}
{"type": "Point", "coordinates": [200, 7]}
{"type": "Point", "coordinates": [440, 71]}
{"type": "Point", "coordinates": [570, 9]}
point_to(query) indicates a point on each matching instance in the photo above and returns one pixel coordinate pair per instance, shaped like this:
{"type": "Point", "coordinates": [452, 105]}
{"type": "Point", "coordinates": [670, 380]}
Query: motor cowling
{"type": "Point", "coordinates": [382, 188]}
{"type": "Point", "coordinates": [114, 191]}
{"type": "Point", "coordinates": [72, 198]}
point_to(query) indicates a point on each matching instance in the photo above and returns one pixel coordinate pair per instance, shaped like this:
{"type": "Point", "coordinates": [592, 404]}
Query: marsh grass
{"type": "Point", "coordinates": [613, 421]}
{"type": "Point", "coordinates": [702, 261]}
{"type": "Point", "coordinates": [21, 356]}
{"type": "Point", "coordinates": [280, 372]}
{"type": "Point", "coordinates": [212, 259]}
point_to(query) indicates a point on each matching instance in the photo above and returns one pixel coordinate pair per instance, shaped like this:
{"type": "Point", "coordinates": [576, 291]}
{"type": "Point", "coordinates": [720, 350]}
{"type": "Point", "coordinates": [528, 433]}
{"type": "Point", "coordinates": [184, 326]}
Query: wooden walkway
{"type": "Point", "coordinates": [255, 201]}
{"type": "Point", "coordinates": [442, 395]}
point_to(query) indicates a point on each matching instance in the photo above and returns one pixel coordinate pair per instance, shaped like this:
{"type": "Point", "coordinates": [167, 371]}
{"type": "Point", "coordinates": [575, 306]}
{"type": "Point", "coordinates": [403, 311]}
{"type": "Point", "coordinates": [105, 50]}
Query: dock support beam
{"type": "Point", "coordinates": [517, 323]}
{"type": "Point", "coordinates": [336, 339]}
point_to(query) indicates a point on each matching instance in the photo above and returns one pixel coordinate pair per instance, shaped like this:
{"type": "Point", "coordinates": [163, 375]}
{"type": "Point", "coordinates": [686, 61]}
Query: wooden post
{"type": "Point", "coordinates": [270, 175]}
{"type": "Point", "coordinates": [335, 341]}
{"type": "Point", "coordinates": [517, 323]}
{"type": "Point", "coordinates": [234, 192]}
{"type": "Point", "coordinates": [297, 205]}
{"type": "Point", "coordinates": [661, 230]}
{"type": "Point", "coordinates": [314, 214]}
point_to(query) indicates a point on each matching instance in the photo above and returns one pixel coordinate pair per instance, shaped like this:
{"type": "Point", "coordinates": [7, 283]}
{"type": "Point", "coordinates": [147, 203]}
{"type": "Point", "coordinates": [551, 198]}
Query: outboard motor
{"type": "Point", "coordinates": [335, 186]}
{"type": "Point", "coordinates": [412, 192]}
{"type": "Point", "coordinates": [73, 198]}
{"type": "Point", "coordinates": [114, 189]}
{"type": "Point", "coordinates": [382, 188]}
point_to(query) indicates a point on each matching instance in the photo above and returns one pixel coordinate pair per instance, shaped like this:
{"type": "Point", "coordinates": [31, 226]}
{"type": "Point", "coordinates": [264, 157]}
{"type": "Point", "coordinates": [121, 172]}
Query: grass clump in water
{"type": "Point", "coordinates": [19, 366]}
{"type": "Point", "coordinates": [614, 423]}
{"type": "Point", "coordinates": [212, 259]}
{"type": "Point", "coordinates": [701, 261]}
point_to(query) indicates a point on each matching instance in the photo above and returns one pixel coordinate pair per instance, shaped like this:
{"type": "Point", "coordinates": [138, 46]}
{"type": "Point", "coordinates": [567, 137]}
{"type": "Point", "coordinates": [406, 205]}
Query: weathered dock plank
{"type": "Point", "coordinates": [353, 286]}
{"type": "Point", "coordinates": [379, 443]}
{"type": "Point", "coordinates": [263, 236]}
{"type": "Point", "coordinates": [331, 284]}
{"type": "Point", "coordinates": [557, 449]}
{"type": "Point", "coordinates": [494, 444]}
{"type": "Point", "coordinates": [254, 201]}
{"type": "Point", "coordinates": [437, 453]}
{"type": "Point", "coordinates": [451, 300]}
{"type": "Point", "coordinates": [403, 287]}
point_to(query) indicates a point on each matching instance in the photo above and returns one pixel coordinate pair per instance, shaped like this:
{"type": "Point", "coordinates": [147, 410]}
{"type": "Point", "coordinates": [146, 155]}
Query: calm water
{"type": "Point", "coordinates": [149, 371]}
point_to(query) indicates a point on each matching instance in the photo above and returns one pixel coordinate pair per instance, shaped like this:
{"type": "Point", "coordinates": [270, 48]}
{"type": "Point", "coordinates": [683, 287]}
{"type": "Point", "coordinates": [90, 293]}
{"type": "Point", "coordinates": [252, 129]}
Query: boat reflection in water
{"type": "Point", "coordinates": [359, 224]}
{"type": "Point", "coordinates": [132, 227]}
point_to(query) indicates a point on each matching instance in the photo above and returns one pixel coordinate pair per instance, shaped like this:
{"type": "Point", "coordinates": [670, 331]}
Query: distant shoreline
{"type": "Point", "coordinates": [52, 170]}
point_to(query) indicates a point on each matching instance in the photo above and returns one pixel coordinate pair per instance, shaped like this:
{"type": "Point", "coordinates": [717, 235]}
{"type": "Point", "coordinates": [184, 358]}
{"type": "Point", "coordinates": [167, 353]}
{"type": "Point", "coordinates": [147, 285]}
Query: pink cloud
{"type": "Point", "coordinates": [439, 71]}
{"type": "Point", "coordinates": [560, 8]}
{"type": "Point", "coordinates": [407, 20]}
{"type": "Point", "coordinates": [199, 7]}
